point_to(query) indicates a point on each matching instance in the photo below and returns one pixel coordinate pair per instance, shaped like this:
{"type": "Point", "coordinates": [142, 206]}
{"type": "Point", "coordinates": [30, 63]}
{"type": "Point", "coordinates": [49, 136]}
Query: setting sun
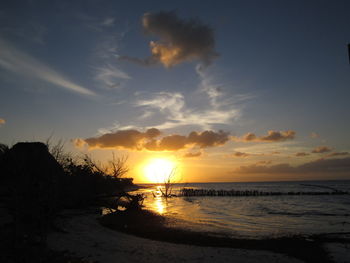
{"type": "Point", "coordinates": [157, 170]}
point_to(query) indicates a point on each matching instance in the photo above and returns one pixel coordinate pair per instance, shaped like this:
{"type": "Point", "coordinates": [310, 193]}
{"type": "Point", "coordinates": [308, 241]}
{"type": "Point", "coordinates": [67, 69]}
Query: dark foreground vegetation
{"type": "Point", "coordinates": [147, 224]}
{"type": "Point", "coordinates": [37, 181]}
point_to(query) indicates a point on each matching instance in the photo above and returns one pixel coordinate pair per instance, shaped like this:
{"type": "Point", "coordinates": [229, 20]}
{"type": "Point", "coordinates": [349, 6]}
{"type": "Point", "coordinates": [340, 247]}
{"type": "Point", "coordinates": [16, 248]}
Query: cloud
{"type": "Point", "coordinates": [240, 154]}
{"type": "Point", "coordinates": [79, 143]}
{"type": "Point", "coordinates": [321, 149]}
{"type": "Point", "coordinates": [108, 21]}
{"type": "Point", "coordinates": [314, 135]}
{"type": "Point", "coordinates": [110, 76]}
{"type": "Point", "coordinates": [264, 162]}
{"type": "Point", "coordinates": [180, 40]}
{"type": "Point", "coordinates": [2, 121]}
{"type": "Point", "coordinates": [192, 155]}
{"type": "Point", "coordinates": [337, 154]}
{"type": "Point", "coordinates": [136, 140]}
{"type": "Point", "coordinates": [168, 143]}
{"type": "Point", "coordinates": [128, 139]}
{"type": "Point", "coordinates": [319, 166]}
{"type": "Point", "coordinates": [96, 23]}
{"type": "Point", "coordinates": [208, 138]}
{"type": "Point", "coordinates": [20, 63]}
{"type": "Point", "coordinates": [300, 154]}
{"type": "Point", "coordinates": [172, 105]}
{"type": "Point", "coordinates": [201, 140]}
{"type": "Point", "coordinates": [272, 136]}
{"type": "Point", "coordinates": [275, 152]}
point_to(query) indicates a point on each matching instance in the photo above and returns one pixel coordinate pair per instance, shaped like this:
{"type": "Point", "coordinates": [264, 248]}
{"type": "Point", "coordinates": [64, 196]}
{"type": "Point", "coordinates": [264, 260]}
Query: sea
{"type": "Point", "coordinates": [256, 216]}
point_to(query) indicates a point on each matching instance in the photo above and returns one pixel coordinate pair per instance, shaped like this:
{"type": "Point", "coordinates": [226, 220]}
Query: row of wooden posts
{"type": "Point", "coordinates": [186, 192]}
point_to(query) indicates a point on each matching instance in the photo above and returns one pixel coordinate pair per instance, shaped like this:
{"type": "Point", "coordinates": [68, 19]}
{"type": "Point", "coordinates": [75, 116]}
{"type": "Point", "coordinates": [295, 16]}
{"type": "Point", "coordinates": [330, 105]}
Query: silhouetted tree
{"type": "Point", "coordinates": [168, 183]}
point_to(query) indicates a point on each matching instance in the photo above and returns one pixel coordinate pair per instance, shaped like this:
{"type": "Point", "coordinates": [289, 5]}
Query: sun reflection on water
{"type": "Point", "coordinates": [159, 205]}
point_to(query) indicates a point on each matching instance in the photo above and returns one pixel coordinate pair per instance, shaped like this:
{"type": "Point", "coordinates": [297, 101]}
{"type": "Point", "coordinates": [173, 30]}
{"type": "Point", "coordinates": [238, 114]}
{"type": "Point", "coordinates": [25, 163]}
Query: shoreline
{"type": "Point", "coordinates": [149, 225]}
{"type": "Point", "coordinates": [84, 237]}
{"type": "Point", "coordinates": [147, 231]}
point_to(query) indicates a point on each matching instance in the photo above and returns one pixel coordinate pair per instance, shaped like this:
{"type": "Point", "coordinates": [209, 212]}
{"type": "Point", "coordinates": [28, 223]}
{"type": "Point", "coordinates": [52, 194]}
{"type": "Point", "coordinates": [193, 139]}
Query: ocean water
{"type": "Point", "coordinates": [257, 216]}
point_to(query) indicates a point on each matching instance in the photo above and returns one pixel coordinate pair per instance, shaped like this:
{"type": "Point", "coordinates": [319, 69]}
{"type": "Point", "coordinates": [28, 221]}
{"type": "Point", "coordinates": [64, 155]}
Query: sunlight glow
{"type": "Point", "coordinates": [157, 170]}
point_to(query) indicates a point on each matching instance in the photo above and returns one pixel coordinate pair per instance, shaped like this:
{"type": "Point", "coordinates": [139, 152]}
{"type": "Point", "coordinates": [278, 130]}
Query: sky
{"type": "Point", "coordinates": [227, 90]}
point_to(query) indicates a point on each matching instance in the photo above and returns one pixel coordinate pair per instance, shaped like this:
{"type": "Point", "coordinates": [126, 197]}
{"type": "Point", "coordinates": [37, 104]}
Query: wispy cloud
{"type": "Point", "coordinates": [192, 155]}
{"type": "Point", "coordinates": [23, 64]}
{"type": "Point", "coordinates": [172, 105]}
{"type": "Point", "coordinates": [337, 154]}
{"type": "Point", "coordinates": [314, 135]}
{"type": "Point", "coordinates": [301, 154]}
{"type": "Point", "coordinates": [321, 149]}
{"type": "Point", "coordinates": [110, 76]}
{"type": "Point", "coordinates": [96, 23]}
{"type": "Point", "coordinates": [240, 154]}
{"type": "Point", "coordinates": [329, 166]}
{"type": "Point", "coordinates": [108, 21]}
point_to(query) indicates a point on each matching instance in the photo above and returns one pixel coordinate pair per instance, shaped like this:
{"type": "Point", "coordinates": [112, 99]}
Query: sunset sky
{"type": "Point", "coordinates": [228, 90]}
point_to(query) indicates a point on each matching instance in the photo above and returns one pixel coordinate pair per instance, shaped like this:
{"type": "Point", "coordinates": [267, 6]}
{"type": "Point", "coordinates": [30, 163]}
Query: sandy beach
{"type": "Point", "coordinates": [86, 238]}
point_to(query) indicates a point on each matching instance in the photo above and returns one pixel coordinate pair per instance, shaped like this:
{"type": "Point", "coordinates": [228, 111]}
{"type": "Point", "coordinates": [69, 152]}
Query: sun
{"type": "Point", "coordinates": [157, 170]}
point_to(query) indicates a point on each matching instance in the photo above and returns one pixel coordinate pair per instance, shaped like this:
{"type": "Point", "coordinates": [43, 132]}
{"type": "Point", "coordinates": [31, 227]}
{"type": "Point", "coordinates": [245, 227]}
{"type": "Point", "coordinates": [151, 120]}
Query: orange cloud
{"type": "Point", "coordinates": [319, 166]}
{"type": "Point", "coordinates": [129, 139]}
{"type": "Point", "coordinates": [321, 149]}
{"type": "Point", "coordinates": [272, 136]}
{"type": "Point", "coordinates": [301, 154]}
{"type": "Point", "coordinates": [2, 121]}
{"type": "Point", "coordinates": [240, 154]}
{"type": "Point", "coordinates": [192, 155]}
{"type": "Point", "coordinates": [136, 140]}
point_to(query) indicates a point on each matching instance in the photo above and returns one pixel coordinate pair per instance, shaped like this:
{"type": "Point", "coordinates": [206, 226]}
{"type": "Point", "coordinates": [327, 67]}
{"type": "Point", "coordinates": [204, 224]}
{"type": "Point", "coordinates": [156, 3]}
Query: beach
{"type": "Point", "coordinates": [86, 238]}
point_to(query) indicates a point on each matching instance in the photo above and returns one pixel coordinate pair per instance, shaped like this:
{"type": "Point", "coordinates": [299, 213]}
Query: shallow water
{"type": "Point", "coordinates": [258, 216]}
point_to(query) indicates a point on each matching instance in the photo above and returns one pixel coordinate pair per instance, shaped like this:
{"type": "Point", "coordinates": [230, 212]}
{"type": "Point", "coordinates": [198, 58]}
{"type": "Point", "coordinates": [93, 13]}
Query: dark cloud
{"type": "Point", "coordinates": [321, 149]}
{"type": "Point", "coordinates": [208, 138]}
{"type": "Point", "coordinates": [176, 142]}
{"type": "Point", "coordinates": [136, 140]}
{"type": "Point", "coordinates": [337, 154]}
{"type": "Point", "coordinates": [172, 143]}
{"type": "Point", "coordinates": [192, 155]}
{"type": "Point", "coordinates": [300, 154]}
{"type": "Point", "coordinates": [129, 139]}
{"type": "Point", "coordinates": [272, 136]}
{"type": "Point", "coordinates": [249, 137]}
{"type": "Point", "coordinates": [264, 162]}
{"type": "Point", "coordinates": [318, 166]}
{"type": "Point", "coordinates": [179, 40]}
{"type": "Point", "coordinates": [240, 154]}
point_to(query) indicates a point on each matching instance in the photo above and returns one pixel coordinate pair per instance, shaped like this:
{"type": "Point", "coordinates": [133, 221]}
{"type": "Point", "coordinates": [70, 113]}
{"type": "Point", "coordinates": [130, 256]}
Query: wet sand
{"type": "Point", "coordinates": [86, 238]}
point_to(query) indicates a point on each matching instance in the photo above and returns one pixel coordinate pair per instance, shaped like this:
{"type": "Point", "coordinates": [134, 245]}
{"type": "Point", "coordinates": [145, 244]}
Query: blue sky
{"type": "Point", "coordinates": [282, 66]}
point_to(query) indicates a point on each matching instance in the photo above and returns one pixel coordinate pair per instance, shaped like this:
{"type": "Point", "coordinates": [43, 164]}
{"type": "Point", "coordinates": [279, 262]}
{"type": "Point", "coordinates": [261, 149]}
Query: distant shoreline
{"type": "Point", "coordinates": [246, 182]}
